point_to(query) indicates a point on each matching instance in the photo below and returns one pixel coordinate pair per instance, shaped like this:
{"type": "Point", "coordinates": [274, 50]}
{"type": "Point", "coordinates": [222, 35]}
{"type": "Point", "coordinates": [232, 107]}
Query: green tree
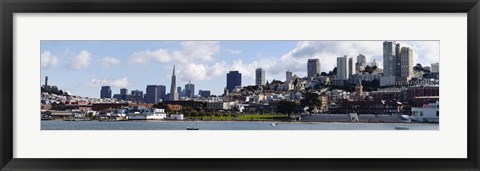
{"type": "Point", "coordinates": [287, 107]}
{"type": "Point", "coordinates": [310, 100]}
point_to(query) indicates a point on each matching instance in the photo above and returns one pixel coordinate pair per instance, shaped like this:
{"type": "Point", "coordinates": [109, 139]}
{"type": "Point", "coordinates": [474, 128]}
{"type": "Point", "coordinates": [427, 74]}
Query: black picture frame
{"type": "Point", "coordinates": [9, 7]}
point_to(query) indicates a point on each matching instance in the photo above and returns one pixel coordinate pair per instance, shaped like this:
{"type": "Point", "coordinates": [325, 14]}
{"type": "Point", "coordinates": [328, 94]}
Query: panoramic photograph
{"type": "Point", "coordinates": [239, 85]}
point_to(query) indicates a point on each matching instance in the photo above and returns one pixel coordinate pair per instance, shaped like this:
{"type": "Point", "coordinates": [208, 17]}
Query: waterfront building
{"type": "Point", "coordinates": [435, 67]}
{"type": "Point", "coordinates": [259, 77]}
{"type": "Point", "coordinates": [342, 68]}
{"type": "Point", "coordinates": [189, 90]}
{"type": "Point", "coordinates": [234, 79]}
{"type": "Point", "coordinates": [351, 67]}
{"type": "Point", "coordinates": [313, 67]}
{"type": "Point", "coordinates": [406, 58]}
{"type": "Point", "coordinates": [289, 77]}
{"type": "Point", "coordinates": [105, 92]}
{"type": "Point", "coordinates": [389, 58]}
{"type": "Point", "coordinates": [151, 95]}
{"type": "Point", "coordinates": [204, 93]}
{"type": "Point", "coordinates": [173, 87]}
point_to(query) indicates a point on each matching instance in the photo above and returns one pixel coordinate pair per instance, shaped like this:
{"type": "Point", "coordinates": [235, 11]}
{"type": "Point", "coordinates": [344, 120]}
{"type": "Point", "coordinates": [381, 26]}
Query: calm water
{"type": "Point", "coordinates": [211, 125]}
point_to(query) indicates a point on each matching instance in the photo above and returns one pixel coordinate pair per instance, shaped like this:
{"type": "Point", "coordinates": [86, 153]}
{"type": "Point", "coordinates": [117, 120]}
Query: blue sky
{"type": "Point", "coordinates": [82, 67]}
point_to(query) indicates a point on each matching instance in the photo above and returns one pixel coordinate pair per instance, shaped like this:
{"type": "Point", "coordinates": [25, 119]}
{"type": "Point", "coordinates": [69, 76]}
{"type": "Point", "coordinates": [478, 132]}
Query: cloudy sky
{"type": "Point", "coordinates": [82, 67]}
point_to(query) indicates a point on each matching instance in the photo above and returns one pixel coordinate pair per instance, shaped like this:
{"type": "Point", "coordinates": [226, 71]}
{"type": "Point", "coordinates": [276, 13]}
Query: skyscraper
{"type": "Point", "coordinates": [173, 87]}
{"type": "Point", "coordinates": [137, 95]}
{"type": "Point", "coordinates": [123, 93]}
{"type": "Point", "coordinates": [313, 67]}
{"type": "Point", "coordinates": [234, 78]}
{"type": "Point", "coordinates": [105, 92]}
{"type": "Point", "coordinates": [204, 93]}
{"type": "Point", "coordinates": [151, 95]}
{"type": "Point", "coordinates": [161, 90]}
{"type": "Point", "coordinates": [351, 67]}
{"type": "Point", "coordinates": [389, 58]}
{"type": "Point", "coordinates": [289, 77]}
{"type": "Point", "coordinates": [259, 76]}
{"type": "Point", "coordinates": [189, 90]}
{"type": "Point", "coordinates": [46, 81]}
{"type": "Point", "coordinates": [397, 61]}
{"type": "Point", "coordinates": [361, 63]}
{"type": "Point", "coordinates": [435, 67]}
{"type": "Point", "coordinates": [406, 58]}
{"type": "Point", "coordinates": [342, 68]}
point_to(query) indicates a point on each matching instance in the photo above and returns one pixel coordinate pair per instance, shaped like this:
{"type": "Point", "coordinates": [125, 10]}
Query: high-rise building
{"type": "Point", "coordinates": [259, 76]}
{"type": "Point", "coordinates": [105, 92]}
{"type": "Point", "coordinates": [342, 68]}
{"type": "Point", "coordinates": [123, 93]}
{"type": "Point", "coordinates": [161, 90]}
{"type": "Point", "coordinates": [180, 92]}
{"type": "Point", "coordinates": [313, 67]}
{"type": "Point", "coordinates": [397, 61]}
{"type": "Point", "coordinates": [46, 81]}
{"type": "Point", "coordinates": [189, 90]}
{"type": "Point", "coordinates": [173, 87]}
{"type": "Point", "coordinates": [351, 67]}
{"type": "Point", "coordinates": [435, 67]}
{"type": "Point", "coordinates": [289, 77]}
{"type": "Point", "coordinates": [234, 79]}
{"type": "Point", "coordinates": [406, 58]}
{"type": "Point", "coordinates": [204, 93]}
{"type": "Point", "coordinates": [374, 63]}
{"type": "Point", "coordinates": [137, 96]}
{"type": "Point", "coordinates": [151, 95]}
{"type": "Point", "coordinates": [361, 63]}
{"type": "Point", "coordinates": [389, 58]}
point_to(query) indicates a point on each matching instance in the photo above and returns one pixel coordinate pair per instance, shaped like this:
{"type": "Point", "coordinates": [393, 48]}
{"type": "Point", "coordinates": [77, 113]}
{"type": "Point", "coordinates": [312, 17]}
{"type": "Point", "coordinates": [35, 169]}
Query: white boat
{"type": "Point", "coordinates": [274, 124]}
{"type": "Point", "coordinates": [147, 114]}
{"type": "Point", "coordinates": [427, 113]}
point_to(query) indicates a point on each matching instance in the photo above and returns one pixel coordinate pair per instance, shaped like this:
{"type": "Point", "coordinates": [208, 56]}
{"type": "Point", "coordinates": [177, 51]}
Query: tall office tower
{"type": "Point", "coordinates": [351, 67]}
{"type": "Point", "coordinates": [204, 93]}
{"type": "Point", "coordinates": [173, 87]}
{"type": "Point", "coordinates": [289, 77]}
{"type": "Point", "coordinates": [123, 93]}
{"type": "Point", "coordinates": [435, 67]}
{"type": "Point", "coordinates": [259, 76]}
{"type": "Point", "coordinates": [234, 79]}
{"type": "Point", "coordinates": [189, 90]}
{"type": "Point", "coordinates": [397, 61]}
{"type": "Point", "coordinates": [406, 58]}
{"type": "Point", "coordinates": [105, 92]}
{"type": "Point", "coordinates": [388, 58]}
{"type": "Point", "coordinates": [313, 67]}
{"type": "Point", "coordinates": [137, 95]}
{"type": "Point", "coordinates": [46, 81]}
{"type": "Point", "coordinates": [342, 68]}
{"type": "Point", "coordinates": [151, 95]}
{"type": "Point", "coordinates": [161, 90]}
{"type": "Point", "coordinates": [180, 92]}
{"type": "Point", "coordinates": [361, 63]}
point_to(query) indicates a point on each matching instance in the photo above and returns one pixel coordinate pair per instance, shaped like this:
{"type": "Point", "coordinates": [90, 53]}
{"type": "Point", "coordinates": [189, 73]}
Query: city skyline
{"type": "Point", "coordinates": [82, 67]}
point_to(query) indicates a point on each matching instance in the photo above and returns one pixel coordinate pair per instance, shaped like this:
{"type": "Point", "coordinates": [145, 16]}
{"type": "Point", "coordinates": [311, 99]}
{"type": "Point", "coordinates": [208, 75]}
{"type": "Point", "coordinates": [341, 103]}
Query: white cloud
{"type": "Point", "coordinates": [119, 83]}
{"type": "Point", "coordinates": [108, 61]}
{"type": "Point", "coordinates": [81, 61]}
{"type": "Point", "coordinates": [197, 72]}
{"type": "Point", "coordinates": [48, 60]}
{"type": "Point", "coordinates": [190, 52]}
{"type": "Point", "coordinates": [234, 51]}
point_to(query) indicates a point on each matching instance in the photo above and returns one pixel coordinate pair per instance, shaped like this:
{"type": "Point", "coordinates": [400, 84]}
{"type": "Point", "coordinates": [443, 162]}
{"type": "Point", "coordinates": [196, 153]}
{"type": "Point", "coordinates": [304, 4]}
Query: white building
{"type": "Point", "coordinates": [342, 68]}
{"type": "Point", "coordinates": [176, 116]}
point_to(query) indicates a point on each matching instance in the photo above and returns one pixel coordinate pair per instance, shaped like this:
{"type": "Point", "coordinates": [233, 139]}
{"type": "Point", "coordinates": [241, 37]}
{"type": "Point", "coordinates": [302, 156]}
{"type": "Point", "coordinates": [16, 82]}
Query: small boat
{"type": "Point", "coordinates": [191, 128]}
{"type": "Point", "coordinates": [401, 128]}
{"type": "Point", "coordinates": [274, 124]}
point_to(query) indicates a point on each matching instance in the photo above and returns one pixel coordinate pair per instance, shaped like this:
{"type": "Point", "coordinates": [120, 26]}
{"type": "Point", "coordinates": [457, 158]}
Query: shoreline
{"type": "Point", "coordinates": [317, 122]}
